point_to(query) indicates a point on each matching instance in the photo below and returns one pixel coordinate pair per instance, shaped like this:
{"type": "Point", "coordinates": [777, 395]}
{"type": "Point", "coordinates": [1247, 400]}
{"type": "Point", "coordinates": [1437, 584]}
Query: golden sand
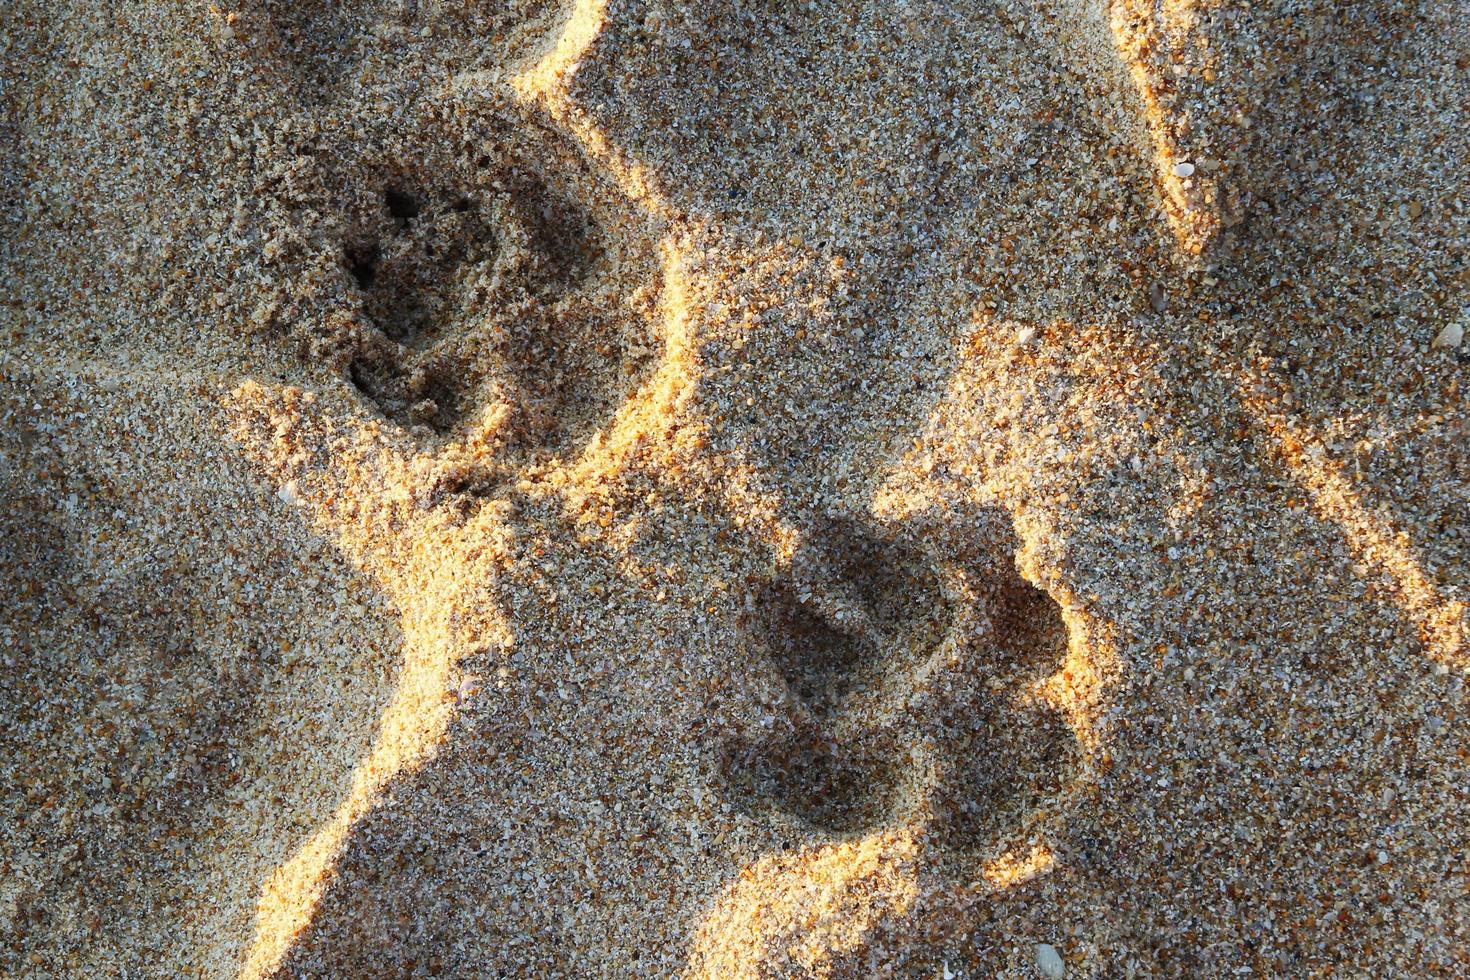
{"type": "Point", "coordinates": [735, 489]}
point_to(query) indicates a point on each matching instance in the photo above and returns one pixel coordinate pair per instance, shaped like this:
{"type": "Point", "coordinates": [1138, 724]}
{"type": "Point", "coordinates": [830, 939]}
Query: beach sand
{"type": "Point", "coordinates": [734, 489]}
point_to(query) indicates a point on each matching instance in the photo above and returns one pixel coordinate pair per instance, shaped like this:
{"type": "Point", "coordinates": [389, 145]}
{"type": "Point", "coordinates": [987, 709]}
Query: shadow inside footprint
{"type": "Point", "coordinates": [895, 584]}
{"type": "Point", "coordinates": [1013, 750]}
{"type": "Point", "coordinates": [816, 659]}
{"type": "Point", "coordinates": [860, 611]}
{"type": "Point", "coordinates": [814, 780]}
{"type": "Point", "coordinates": [411, 278]}
{"type": "Point", "coordinates": [906, 695]}
{"type": "Point", "coordinates": [855, 615]}
{"type": "Point", "coordinates": [497, 289]}
{"type": "Point", "coordinates": [1016, 757]}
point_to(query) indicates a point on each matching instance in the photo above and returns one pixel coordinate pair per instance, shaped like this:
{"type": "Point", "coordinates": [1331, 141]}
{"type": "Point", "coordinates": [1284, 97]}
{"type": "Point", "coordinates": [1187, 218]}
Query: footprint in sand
{"type": "Point", "coordinates": [457, 260]}
{"type": "Point", "coordinates": [476, 280]}
{"type": "Point", "coordinates": [910, 692]}
{"type": "Point", "coordinates": [496, 289]}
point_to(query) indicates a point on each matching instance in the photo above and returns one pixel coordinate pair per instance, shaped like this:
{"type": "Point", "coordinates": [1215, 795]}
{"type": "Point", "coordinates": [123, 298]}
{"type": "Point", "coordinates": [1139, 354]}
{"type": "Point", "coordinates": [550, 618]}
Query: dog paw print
{"type": "Point", "coordinates": [474, 296]}
{"type": "Point", "coordinates": [485, 287]}
{"type": "Point", "coordinates": [413, 268]}
{"type": "Point", "coordinates": [460, 260]}
{"type": "Point", "coordinates": [908, 692]}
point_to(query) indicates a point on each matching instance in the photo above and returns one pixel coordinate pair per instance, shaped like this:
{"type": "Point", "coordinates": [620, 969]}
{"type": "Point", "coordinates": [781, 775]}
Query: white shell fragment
{"type": "Point", "coordinates": [1182, 170]}
{"type": "Point", "coordinates": [289, 494]}
{"type": "Point", "coordinates": [1452, 335]}
{"type": "Point", "coordinates": [1026, 336]}
{"type": "Point", "coordinates": [1049, 961]}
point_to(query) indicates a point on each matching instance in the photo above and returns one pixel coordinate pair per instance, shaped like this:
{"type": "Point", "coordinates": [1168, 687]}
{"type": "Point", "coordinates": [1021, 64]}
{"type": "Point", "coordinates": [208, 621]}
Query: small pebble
{"type": "Point", "coordinates": [1049, 961]}
{"type": "Point", "coordinates": [1026, 336]}
{"type": "Point", "coordinates": [1450, 336]}
{"type": "Point", "coordinates": [1158, 297]}
{"type": "Point", "coordinates": [1182, 170]}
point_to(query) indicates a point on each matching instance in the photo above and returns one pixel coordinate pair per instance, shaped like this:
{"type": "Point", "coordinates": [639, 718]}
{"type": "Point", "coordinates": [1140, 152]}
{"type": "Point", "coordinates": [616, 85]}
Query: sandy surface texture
{"type": "Point", "coordinates": [740, 488]}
